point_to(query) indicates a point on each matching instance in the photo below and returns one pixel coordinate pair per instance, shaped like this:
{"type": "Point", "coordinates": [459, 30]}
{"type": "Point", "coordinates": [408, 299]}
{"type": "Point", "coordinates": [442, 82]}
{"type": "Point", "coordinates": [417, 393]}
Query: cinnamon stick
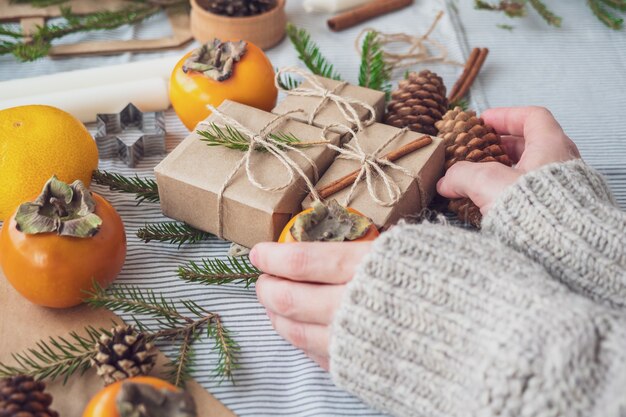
{"type": "Point", "coordinates": [347, 180]}
{"type": "Point", "coordinates": [470, 72]}
{"type": "Point", "coordinates": [365, 12]}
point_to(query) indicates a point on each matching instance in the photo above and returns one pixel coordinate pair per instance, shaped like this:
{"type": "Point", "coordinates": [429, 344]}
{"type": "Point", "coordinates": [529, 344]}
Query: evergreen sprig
{"type": "Point", "coordinates": [173, 325]}
{"type": "Point", "coordinates": [374, 72]}
{"type": "Point", "coordinates": [287, 82]}
{"type": "Point", "coordinates": [145, 189]}
{"type": "Point", "coordinates": [58, 357]}
{"type": "Point", "coordinates": [218, 272]}
{"type": "Point", "coordinates": [309, 53]}
{"type": "Point", "coordinates": [603, 9]}
{"type": "Point", "coordinates": [172, 232]}
{"type": "Point", "coordinates": [232, 138]}
{"type": "Point", "coordinates": [38, 44]}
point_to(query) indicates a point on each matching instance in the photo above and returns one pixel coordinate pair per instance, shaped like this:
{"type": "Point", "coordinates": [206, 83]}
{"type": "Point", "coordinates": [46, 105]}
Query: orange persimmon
{"type": "Point", "coordinates": [251, 82]}
{"type": "Point", "coordinates": [51, 269]}
{"type": "Point", "coordinates": [103, 404]}
{"type": "Point", "coordinates": [286, 236]}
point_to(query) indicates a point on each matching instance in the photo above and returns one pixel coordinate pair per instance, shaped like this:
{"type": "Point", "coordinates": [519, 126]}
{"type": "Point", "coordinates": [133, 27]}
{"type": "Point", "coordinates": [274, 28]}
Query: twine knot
{"type": "Point", "coordinates": [346, 105]}
{"type": "Point", "coordinates": [275, 148]}
{"type": "Point", "coordinates": [372, 165]}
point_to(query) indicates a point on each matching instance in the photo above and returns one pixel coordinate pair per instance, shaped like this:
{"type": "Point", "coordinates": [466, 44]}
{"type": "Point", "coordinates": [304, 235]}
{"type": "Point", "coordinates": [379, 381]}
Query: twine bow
{"type": "Point", "coordinates": [275, 148]}
{"type": "Point", "coordinates": [346, 105]}
{"type": "Point", "coordinates": [371, 164]}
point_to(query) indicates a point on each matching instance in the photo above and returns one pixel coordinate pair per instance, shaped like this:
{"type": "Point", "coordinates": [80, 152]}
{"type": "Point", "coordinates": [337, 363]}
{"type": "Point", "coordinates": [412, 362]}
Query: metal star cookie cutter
{"type": "Point", "coordinates": [130, 135]}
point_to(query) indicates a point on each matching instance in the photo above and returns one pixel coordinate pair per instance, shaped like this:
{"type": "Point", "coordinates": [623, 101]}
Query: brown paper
{"type": "Point", "coordinates": [22, 324]}
{"type": "Point", "coordinates": [425, 164]}
{"type": "Point", "coordinates": [191, 176]}
{"type": "Point", "coordinates": [329, 113]}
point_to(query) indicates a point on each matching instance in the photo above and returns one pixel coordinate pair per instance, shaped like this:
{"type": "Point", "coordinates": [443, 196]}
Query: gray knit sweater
{"type": "Point", "coordinates": [526, 318]}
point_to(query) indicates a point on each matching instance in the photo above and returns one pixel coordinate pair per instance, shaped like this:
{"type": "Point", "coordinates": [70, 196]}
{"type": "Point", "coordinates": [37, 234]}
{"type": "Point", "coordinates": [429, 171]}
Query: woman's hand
{"type": "Point", "coordinates": [302, 288]}
{"type": "Point", "coordinates": [531, 137]}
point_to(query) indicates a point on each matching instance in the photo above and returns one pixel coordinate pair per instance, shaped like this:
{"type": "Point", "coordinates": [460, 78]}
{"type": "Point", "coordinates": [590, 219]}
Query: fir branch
{"type": "Point", "coordinates": [309, 53]}
{"type": "Point", "coordinates": [226, 347]}
{"type": "Point", "coordinates": [505, 27]}
{"type": "Point", "coordinates": [218, 272]}
{"type": "Point", "coordinates": [145, 189]}
{"type": "Point", "coordinates": [129, 299]}
{"type": "Point", "coordinates": [287, 82]}
{"type": "Point", "coordinates": [58, 357]}
{"type": "Point", "coordinates": [510, 8]}
{"type": "Point", "coordinates": [545, 12]}
{"type": "Point", "coordinates": [172, 232]}
{"type": "Point", "coordinates": [232, 138]}
{"type": "Point", "coordinates": [616, 4]}
{"type": "Point", "coordinates": [374, 72]}
{"type": "Point", "coordinates": [605, 16]}
{"type": "Point", "coordinates": [181, 368]}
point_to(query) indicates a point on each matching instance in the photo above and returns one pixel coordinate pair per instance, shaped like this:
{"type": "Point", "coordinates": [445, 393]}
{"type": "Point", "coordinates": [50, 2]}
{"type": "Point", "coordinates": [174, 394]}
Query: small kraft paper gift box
{"type": "Point", "coordinates": [325, 102]}
{"type": "Point", "coordinates": [248, 193]}
{"type": "Point", "coordinates": [396, 171]}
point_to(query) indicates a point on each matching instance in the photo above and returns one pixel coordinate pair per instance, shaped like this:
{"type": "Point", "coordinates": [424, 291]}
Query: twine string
{"type": "Point", "coordinates": [346, 105]}
{"type": "Point", "coordinates": [372, 165]}
{"type": "Point", "coordinates": [275, 148]}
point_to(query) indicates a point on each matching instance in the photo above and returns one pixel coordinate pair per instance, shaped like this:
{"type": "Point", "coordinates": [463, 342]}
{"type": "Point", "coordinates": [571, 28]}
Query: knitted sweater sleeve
{"type": "Point", "coordinates": [440, 321]}
{"type": "Point", "coordinates": [563, 217]}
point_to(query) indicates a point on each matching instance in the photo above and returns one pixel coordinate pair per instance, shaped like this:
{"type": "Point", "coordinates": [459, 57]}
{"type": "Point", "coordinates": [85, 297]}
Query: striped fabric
{"type": "Point", "coordinates": [276, 379]}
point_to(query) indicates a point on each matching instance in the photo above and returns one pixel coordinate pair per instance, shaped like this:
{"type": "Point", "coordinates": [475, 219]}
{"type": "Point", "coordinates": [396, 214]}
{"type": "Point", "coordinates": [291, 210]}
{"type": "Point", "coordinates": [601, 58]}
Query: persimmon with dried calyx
{"type": "Point", "coordinates": [217, 71]}
{"type": "Point", "coordinates": [55, 248]}
{"type": "Point", "coordinates": [141, 396]}
{"type": "Point", "coordinates": [329, 223]}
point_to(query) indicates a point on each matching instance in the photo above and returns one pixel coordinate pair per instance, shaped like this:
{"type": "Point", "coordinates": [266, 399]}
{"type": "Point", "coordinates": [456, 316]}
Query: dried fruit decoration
{"type": "Point", "coordinates": [219, 71]}
{"type": "Point", "coordinates": [52, 249]}
{"type": "Point", "coordinates": [329, 223]}
{"type": "Point", "coordinates": [141, 397]}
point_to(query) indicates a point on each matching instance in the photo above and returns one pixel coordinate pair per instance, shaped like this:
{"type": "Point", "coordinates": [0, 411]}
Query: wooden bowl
{"type": "Point", "coordinates": [264, 30]}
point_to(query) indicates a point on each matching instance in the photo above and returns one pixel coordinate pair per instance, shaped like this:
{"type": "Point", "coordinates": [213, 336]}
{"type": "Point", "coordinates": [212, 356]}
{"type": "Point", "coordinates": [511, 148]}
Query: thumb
{"type": "Point", "coordinates": [481, 182]}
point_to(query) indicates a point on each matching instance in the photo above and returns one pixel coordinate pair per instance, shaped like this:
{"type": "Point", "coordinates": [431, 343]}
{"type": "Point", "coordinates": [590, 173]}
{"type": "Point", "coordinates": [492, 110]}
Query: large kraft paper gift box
{"type": "Point", "coordinates": [310, 98]}
{"type": "Point", "coordinates": [416, 191]}
{"type": "Point", "coordinates": [192, 175]}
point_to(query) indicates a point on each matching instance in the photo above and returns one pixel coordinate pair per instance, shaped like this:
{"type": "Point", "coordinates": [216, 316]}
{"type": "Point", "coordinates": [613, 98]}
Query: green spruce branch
{"type": "Point", "coordinates": [374, 72]}
{"type": "Point", "coordinates": [232, 138]}
{"type": "Point", "coordinates": [145, 189]}
{"type": "Point", "coordinates": [604, 10]}
{"type": "Point", "coordinates": [172, 232]}
{"type": "Point", "coordinates": [38, 44]}
{"type": "Point", "coordinates": [218, 272]}
{"type": "Point", "coordinates": [309, 53]}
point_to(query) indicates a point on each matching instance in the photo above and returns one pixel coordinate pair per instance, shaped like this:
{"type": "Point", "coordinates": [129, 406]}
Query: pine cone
{"type": "Point", "coordinates": [22, 396]}
{"type": "Point", "coordinates": [123, 355]}
{"type": "Point", "coordinates": [237, 8]}
{"type": "Point", "coordinates": [418, 103]}
{"type": "Point", "coordinates": [467, 138]}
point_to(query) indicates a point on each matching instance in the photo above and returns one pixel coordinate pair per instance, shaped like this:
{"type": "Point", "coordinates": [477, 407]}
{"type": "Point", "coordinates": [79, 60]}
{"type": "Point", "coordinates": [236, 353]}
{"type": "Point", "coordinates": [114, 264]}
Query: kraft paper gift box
{"type": "Point", "coordinates": [416, 191]}
{"type": "Point", "coordinates": [191, 176]}
{"type": "Point", "coordinates": [329, 113]}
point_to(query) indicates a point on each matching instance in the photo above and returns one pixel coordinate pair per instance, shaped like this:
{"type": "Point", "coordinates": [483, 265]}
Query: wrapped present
{"type": "Point", "coordinates": [384, 172]}
{"type": "Point", "coordinates": [248, 191]}
{"type": "Point", "coordinates": [326, 103]}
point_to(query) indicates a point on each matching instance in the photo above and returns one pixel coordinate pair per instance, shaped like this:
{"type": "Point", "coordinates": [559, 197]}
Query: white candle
{"type": "Point", "coordinates": [331, 6]}
{"type": "Point", "coordinates": [92, 77]}
{"type": "Point", "coordinates": [85, 103]}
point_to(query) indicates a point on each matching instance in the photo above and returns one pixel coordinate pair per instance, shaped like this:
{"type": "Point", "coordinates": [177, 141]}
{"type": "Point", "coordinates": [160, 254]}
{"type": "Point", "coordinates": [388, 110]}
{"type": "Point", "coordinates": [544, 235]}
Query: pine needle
{"type": "Point", "coordinates": [218, 272]}
{"type": "Point", "coordinates": [226, 347]}
{"type": "Point", "coordinates": [287, 82]}
{"type": "Point", "coordinates": [374, 72]}
{"type": "Point", "coordinates": [309, 53]}
{"type": "Point", "coordinates": [232, 138]}
{"type": "Point", "coordinates": [546, 13]}
{"type": "Point", "coordinates": [172, 232]}
{"type": "Point", "coordinates": [58, 357]}
{"type": "Point", "coordinates": [145, 189]}
{"type": "Point", "coordinates": [605, 16]}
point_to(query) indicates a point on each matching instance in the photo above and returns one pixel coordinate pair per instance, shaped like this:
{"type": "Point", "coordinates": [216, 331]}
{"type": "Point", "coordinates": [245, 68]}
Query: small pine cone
{"type": "Point", "coordinates": [467, 138]}
{"type": "Point", "coordinates": [123, 355]}
{"type": "Point", "coordinates": [418, 103]}
{"type": "Point", "coordinates": [237, 8]}
{"type": "Point", "coordinates": [22, 396]}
